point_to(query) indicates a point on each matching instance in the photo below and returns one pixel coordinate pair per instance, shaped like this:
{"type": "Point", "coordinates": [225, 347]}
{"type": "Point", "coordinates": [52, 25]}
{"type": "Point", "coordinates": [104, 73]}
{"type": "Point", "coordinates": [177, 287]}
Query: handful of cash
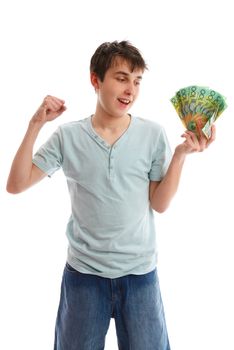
{"type": "Point", "coordinates": [198, 107]}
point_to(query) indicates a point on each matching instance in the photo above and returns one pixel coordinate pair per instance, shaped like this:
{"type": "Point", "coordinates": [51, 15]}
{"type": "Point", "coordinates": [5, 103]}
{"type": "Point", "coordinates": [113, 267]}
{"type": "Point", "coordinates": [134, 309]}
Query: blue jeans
{"type": "Point", "coordinates": [88, 302]}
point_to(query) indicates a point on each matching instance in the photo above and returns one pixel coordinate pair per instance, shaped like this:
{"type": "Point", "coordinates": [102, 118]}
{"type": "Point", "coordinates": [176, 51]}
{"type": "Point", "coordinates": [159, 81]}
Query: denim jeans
{"type": "Point", "coordinates": [88, 302]}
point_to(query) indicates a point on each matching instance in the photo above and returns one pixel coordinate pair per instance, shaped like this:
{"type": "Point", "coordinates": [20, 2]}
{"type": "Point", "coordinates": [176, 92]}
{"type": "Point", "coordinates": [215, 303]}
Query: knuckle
{"type": "Point", "coordinates": [47, 98]}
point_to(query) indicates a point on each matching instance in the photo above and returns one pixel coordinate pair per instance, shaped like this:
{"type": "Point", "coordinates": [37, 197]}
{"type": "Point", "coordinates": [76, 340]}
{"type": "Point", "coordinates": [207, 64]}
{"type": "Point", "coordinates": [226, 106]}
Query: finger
{"type": "Point", "coordinates": [194, 139]}
{"type": "Point", "coordinates": [192, 134]}
{"type": "Point", "coordinates": [52, 103]}
{"type": "Point", "coordinates": [56, 99]}
{"type": "Point", "coordinates": [189, 143]}
{"type": "Point", "coordinates": [62, 101]}
{"type": "Point", "coordinates": [50, 98]}
{"type": "Point", "coordinates": [202, 142]}
{"type": "Point", "coordinates": [63, 109]}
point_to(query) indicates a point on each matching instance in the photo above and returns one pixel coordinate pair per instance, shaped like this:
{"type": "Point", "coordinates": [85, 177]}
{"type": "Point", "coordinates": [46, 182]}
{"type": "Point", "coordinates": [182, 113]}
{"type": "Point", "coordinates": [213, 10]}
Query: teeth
{"type": "Point", "coordinates": [124, 100]}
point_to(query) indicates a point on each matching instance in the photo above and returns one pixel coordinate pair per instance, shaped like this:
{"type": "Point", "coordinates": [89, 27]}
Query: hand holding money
{"type": "Point", "coordinates": [193, 143]}
{"type": "Point", "coordinates": [198, 107]}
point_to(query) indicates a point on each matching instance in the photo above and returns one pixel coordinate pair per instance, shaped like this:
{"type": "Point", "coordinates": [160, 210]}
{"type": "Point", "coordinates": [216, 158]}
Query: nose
{"type": "Point", "coordinates": [130, 89]}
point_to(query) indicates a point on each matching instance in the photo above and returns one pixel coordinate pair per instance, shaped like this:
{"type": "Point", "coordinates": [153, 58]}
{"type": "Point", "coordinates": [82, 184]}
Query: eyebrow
{"type": "Point", "coordinates": [127, 74]}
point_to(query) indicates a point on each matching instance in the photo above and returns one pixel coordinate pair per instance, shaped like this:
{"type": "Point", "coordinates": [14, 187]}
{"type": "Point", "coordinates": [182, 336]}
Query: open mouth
{"type": "Point", "coordinates": [124, 101]}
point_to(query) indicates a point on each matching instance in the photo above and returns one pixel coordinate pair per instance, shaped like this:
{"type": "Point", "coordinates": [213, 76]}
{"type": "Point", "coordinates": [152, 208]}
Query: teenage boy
{"type": "Point", "coordinates": [119, 169]}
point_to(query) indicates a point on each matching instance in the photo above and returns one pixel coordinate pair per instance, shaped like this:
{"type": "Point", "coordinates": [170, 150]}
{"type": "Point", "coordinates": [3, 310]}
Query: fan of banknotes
{"type": "Point", "coordinates": [198, 107]}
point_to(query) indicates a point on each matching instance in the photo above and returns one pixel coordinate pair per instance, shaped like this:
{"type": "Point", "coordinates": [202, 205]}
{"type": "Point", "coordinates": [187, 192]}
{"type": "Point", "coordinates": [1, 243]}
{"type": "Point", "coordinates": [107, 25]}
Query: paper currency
{"type": "Point", "coordinates": [198, 107]}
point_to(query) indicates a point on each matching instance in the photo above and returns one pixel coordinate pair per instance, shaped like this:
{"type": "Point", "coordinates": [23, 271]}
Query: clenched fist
{"type": "Point", "coordinates": [51, 108]}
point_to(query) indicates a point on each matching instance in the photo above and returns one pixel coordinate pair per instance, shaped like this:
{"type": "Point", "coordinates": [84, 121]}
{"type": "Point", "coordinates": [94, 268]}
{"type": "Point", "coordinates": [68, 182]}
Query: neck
{"type": "Point", "coordinates": [107, 122]}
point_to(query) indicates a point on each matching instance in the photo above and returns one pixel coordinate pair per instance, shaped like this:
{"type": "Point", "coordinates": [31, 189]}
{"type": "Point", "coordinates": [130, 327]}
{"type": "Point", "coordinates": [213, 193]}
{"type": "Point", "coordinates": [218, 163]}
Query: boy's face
{"type": "Point", "coordinates": [119, 89]}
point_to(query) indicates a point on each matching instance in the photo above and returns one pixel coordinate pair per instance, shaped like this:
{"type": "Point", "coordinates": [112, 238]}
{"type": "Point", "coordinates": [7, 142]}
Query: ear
{"type": "Point", "coordinates": [94, 80]}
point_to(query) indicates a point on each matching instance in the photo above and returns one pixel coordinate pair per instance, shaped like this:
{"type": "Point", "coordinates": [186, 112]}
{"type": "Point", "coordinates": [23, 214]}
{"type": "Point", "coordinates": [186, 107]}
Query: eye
{"type": "Point", "coordinates": [121, 79]}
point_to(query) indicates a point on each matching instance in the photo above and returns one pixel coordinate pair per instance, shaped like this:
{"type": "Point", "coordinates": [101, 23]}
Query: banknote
{"type": "Point", "coordinates": [198, 107]}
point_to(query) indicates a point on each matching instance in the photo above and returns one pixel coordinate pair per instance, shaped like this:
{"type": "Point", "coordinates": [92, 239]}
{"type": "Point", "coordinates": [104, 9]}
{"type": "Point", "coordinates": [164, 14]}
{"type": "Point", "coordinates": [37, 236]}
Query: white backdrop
{"type": "Point", "coordinates": [45, 49]}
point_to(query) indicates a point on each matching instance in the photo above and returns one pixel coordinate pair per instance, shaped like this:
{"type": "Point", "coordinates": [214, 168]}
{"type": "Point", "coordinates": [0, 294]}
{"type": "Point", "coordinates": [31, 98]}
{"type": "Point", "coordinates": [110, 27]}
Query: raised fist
{"type": "Point", "coordinates": [51, 108]}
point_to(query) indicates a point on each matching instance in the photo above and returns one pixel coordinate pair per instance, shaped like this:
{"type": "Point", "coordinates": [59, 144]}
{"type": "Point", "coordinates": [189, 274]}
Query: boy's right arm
{"type": "Point", "coordinates": [24, 173]}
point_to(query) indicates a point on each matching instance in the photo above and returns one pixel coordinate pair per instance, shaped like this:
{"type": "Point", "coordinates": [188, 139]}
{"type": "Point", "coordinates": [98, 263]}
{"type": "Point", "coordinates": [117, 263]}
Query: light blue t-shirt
{"type": "Point", "coordinates": [111, 231]}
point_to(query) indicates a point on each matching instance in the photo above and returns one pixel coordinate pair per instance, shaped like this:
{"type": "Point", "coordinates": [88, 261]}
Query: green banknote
{"type": "Point", "coordinates": [198, 107]}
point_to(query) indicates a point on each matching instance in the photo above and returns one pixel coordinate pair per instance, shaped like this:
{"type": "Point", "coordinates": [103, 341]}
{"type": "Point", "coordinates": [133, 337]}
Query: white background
{"type": "Point", "coordinates": [45, 49]}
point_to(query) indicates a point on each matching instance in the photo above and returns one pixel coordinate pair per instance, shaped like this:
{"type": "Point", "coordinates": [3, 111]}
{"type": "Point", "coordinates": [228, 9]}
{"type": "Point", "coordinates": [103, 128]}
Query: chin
{"type": "Point", "coordinates": [121, 114]}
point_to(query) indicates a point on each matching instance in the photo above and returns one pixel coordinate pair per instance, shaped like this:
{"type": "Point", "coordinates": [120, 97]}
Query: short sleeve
{"type": "Point", "coordinates": [49, 156]}
{"type": "Point", "coordinates": [161, 158]}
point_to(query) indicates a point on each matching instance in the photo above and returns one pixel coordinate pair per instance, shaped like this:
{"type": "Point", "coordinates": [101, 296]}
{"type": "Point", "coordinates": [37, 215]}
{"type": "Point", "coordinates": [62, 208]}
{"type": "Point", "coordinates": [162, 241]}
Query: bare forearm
{"type": "Point", "coordinates": [21, 168]}
{"type": "Point", "coordinates": [23, 173]}
{"type": "Point", "coordinates": [167, 188]}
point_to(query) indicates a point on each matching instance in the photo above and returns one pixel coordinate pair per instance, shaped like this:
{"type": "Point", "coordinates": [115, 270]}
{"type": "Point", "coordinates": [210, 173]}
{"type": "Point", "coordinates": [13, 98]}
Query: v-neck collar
{"type": "Point", "coordinates": [103, 142]}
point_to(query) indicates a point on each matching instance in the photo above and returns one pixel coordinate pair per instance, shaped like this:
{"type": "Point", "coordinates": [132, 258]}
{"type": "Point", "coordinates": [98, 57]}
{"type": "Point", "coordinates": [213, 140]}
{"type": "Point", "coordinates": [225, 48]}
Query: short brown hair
{"type": "Point", "coordinates": [105, 55]}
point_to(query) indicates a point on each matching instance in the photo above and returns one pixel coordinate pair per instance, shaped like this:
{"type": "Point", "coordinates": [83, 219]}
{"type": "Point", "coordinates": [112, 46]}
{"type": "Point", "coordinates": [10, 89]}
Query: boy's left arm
{"type": "Point", "coordinates": [161, 193]}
